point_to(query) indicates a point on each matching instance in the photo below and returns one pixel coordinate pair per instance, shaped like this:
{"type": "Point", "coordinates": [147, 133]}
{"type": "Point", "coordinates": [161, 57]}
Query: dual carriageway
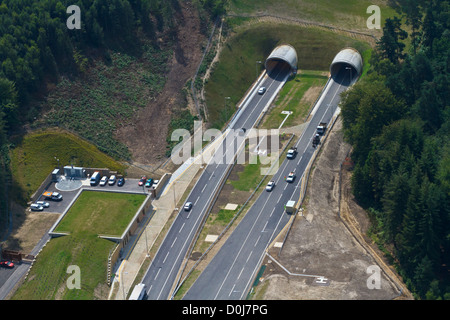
{"type": "Point", "coordinates": [231, 271]}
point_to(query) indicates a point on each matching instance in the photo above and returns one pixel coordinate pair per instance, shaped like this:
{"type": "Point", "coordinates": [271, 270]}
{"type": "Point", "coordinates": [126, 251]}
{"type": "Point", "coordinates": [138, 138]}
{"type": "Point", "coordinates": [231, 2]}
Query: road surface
{"type": "Point", "coordinates": [162, 273]}
{"type": "Point", "coordinates": [231, 271]}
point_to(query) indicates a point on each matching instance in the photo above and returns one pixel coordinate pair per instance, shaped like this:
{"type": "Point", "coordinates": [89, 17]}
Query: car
{"type": "Point", "coordinates": [142, 181]}
{"type": "Point", "coordinates": [149, 183]}
{"type": "Point", "coordinates": [242, 131]}
{"type": "Point", "coordinates": [36, 207]}
{"type": "Point", "coordinates": [261, 90]}
{"type": "Point", "coordinates": [291, 177]}
{"type": "Point", "coordinates": [112, 180]}
{"type": "Point", "coordinates": [188, 206]}
{"type": "Point", "coordinates": [43, 203]}
{"type": "Point", "coordinates": [7, 264]}
{"type": "Point", "coordinates": [155, 183]}
{"type": "Point", "coordinates": [121, 182]}
{"type": "Point", "coordinates": [270, 185]}
{"type": "Point", "coordinates": [103, 180]}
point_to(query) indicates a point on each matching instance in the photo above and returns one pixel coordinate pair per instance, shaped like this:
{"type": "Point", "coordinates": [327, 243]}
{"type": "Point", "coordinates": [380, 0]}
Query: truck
{"type": "Point", "coordinates": [55, 196]}
{"type": "Point", "coordinates": [292, 152]}
{"type": "Point", "coordinates": [316, 140]}
{"type": "Point", "coordinates": [290, 207]}
{"type": "Point", "coordinates": [95, 178]}
{"type": "Point", "coordinates": [321, 128]}
{"type": "Point", "coordinates": [138, 293]}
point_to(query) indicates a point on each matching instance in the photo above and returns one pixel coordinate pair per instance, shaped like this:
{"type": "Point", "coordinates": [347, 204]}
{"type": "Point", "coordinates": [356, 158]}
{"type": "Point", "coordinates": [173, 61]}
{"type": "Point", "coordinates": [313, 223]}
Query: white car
{"type": "Point", "coordinates": [188, 206]}
{"type": "Point", "coordinates": [262, 90]}
{"type": "Point", "coordinates": [43, 203]}
{"type": "Point", "coordinates": [36, 207]}
{"type": "Point", "coordinates": [291, 177]}
{"type": "Point", "coordinates": [112, 180]}
{"type": "Point", "coordinates": [270, 186]}
{"type": "Point", "coordinates": [103, 180]}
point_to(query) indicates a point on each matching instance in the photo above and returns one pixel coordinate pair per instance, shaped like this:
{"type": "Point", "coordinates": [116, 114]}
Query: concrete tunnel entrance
{"type": "Point", "coordinates": [284, 54]}
{"type": "Point", "coordinates": [351, 60]}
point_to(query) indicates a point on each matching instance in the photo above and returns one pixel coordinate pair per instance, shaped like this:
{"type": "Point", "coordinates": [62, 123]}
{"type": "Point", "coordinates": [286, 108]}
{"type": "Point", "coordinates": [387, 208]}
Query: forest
{"type": "Point", "coordinates": [37, 49]}
{"type": "Point", "coordinates": [397, 120]}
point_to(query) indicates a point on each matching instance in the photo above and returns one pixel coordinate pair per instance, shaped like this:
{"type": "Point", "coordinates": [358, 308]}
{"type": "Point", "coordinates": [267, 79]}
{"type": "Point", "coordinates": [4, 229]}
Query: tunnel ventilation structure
{"type": "Point", "coordinates": [346, 58]}
{"type": "Point", "coordinates": [285, 54]}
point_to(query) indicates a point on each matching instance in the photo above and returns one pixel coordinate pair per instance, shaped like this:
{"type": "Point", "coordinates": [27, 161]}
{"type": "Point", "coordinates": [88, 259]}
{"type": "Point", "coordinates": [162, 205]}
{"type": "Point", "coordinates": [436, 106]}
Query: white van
{"type": "Point", "coordinates": [138, 293]}
{"type": "Point", "coordinates": [95, 178]}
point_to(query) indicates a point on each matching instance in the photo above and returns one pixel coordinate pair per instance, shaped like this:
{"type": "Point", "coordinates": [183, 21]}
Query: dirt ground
{"type": "Point", "coordinates": [145, 137]}
{"type": "Point", "coordinates": [320, 243]}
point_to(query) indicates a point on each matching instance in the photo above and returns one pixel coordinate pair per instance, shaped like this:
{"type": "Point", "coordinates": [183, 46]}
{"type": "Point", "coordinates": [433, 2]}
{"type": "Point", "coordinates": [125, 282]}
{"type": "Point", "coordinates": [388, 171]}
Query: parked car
{"type": "Point", "coordinates": [142, 181]}
{"type": "Point", "coordinates": [155, 183]}
{"type": "Point", "coordinates": [262, 90]}
{"type": "Point", "coordinates": [7, 264]}
{"type": "Point", "coordinates": [36, 207]}
{"type": "Point", "coordinates": [121, 182]}
{"type": "Point", "coordinates": [188, 206]}
{"type": "Point", "coordinates": [43, 203]}
{"type": "Point", "coordinates": [149, 183]}
{"type": "Point", "coordinates": [112, 180]}
{"type": "Point", "coordinates": [103, 180]}
{"type": "Point", "coordinates": [270, 185]}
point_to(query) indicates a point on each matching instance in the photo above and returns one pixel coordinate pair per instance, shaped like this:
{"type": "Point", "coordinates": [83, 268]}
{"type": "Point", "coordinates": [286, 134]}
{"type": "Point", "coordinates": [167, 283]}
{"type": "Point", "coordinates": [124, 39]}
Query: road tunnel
{"type": "Point", "coordinates": [350, 60]}
{"type": "Point", "coordinates": [284, 55]}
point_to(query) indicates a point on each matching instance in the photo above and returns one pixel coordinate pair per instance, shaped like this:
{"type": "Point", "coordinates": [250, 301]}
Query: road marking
{"type": "Point", "coordinates": [272, 211]}
{"type": "Point", "coordinates": [166, 257]}
{"type": "Point", "coordinates": [182, 227]}
{"type": "Point", "coordinates": [257, 241]}
{"type": "Point", "coordinates": [240, 273]}
{"type": "Point", "coordinates": [280, 197]}
{"type": "Point", "coordinates": [196, 201]}
{"type": "Point", "coordinates": [248, 258]}
{"type": "Point", "coordinates": [173, 242]}
{"type": "Point", "coordinates": [204, 188]}
{"type": "Point", "coordinates": [159, 269]}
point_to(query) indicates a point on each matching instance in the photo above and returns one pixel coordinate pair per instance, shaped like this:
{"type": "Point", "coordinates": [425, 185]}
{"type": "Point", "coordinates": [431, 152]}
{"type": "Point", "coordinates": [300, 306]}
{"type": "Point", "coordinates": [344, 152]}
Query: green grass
{"type": "Point", "coordinates": [348, 14]}
{"type": "Point", "coordinates": [101, 213]}
{"type": "Point", "coordinates": [92, 214]}
{"type": "Point", "coordinates": [291, 99]}
{"type": "Point", "coordinates": [236, 69]}
{"type": "Point", "coordinates": [33, 158]}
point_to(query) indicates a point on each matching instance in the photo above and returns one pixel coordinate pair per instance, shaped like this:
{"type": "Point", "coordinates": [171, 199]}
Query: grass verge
{"type": "Point", "coordinates": [237, 67]}
{"type": "Point", "coordinates": [92, 214]}
{"type": "Point", "coordinates": [33, 158]}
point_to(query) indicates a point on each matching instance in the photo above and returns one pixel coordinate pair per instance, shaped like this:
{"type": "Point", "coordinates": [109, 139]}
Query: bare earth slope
{"type": "Point", "coordinates": [319, 244]}
{"type": "Point", "coordinates": [146, 136]}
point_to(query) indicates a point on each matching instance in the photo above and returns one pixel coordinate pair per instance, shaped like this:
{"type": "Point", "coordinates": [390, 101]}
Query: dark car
{"type": "Point", "coordinates": [142, 181]}
{"type": "Point", "coordinates": [121, 182]}
{"type": "Point", "coordinates": [6, 264]}
{"type": "Point", "coordinates": [149, 183]}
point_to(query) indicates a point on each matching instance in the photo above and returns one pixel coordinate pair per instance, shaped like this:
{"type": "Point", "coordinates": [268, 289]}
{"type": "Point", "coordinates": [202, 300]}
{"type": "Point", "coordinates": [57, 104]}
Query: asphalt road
{"type": "Point", "coordinates": [162, 273]}
{"type": "Point", "coordinates": [230, 273]}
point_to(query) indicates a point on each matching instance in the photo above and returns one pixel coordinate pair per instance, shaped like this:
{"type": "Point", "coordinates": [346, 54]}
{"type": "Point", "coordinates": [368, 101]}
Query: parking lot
{"type": "Point", "coordinates": [130, 186]}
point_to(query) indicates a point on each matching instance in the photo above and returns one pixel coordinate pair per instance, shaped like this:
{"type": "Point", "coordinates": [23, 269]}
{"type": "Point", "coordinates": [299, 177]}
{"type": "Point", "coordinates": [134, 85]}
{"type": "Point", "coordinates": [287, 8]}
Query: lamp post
{"type": "Point", "coordinates": [226, 108]}
{"type": "Point", "coordinates": [256, 65]}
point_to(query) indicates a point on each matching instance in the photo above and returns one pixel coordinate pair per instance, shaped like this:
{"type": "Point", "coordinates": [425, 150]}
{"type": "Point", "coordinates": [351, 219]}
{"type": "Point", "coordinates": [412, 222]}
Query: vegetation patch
{"type": "Point", "coordinates": [237, 68]}
{"type": "Point", "coordinates": [36, 155]}
{"type": "Point", "coordinates": [93, 213]}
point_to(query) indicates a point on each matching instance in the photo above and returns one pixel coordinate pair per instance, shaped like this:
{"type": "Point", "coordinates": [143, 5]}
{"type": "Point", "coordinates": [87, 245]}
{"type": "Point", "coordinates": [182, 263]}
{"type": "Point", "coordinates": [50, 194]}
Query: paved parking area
{"type": "Point", "coordinates": [130, 186]}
